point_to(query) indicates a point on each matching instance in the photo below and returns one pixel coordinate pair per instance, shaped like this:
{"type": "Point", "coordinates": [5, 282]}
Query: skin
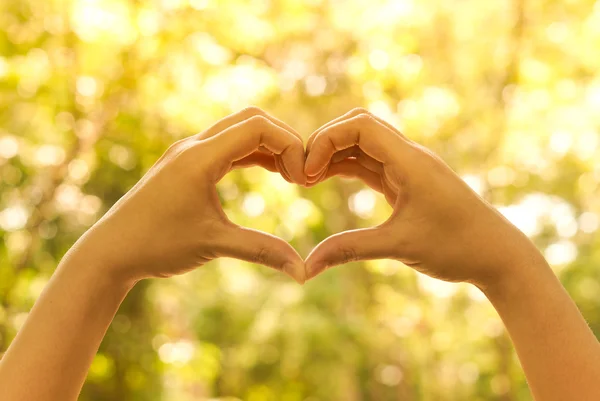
{"type": "Point", "coordinates": [441, 228]}
{"type": "Point", "coordinates": [172, 221]}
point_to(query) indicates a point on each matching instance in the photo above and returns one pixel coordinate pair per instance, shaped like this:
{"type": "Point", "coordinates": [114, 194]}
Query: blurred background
{"type": "Point", "coordinates": [93, 91]}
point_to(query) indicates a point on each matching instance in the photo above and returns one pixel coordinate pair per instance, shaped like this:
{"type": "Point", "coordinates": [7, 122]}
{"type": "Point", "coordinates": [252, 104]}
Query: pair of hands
{"type": "Point", "coordinates": [171, 221]}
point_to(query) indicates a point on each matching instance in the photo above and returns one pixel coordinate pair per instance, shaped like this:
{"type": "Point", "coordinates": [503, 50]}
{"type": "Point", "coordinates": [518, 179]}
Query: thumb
{"type": "Point", "coordinates": [259, 247]}
{"type": "Point", "coordinates": [350, 246]}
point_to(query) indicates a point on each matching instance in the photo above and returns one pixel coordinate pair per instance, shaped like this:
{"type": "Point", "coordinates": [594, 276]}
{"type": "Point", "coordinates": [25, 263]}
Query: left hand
{"type": "Point", "coordinates": [171, 221]}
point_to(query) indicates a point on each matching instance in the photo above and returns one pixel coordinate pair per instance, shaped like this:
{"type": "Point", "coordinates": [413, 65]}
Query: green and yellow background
{"type": "Point", "coordinates": [93, 91]}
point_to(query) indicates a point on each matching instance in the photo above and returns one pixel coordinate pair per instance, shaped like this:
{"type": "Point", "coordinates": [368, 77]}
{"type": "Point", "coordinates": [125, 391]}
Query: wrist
{"type": "Point", "coordinates": [90, 265]}
{"type": "Point", "coordinates": [518, 279]}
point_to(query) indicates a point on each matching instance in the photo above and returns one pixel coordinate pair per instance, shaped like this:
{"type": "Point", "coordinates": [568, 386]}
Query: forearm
{"type": "Point", "coordinates": [557, 349]}
{"type": "Point", "coordinates": [50, 357]}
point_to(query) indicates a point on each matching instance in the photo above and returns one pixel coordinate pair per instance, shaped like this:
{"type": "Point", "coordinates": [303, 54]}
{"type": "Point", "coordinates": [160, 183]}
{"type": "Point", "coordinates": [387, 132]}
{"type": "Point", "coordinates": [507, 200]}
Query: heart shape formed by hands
{"type": "Point", "coordinates": [325, 159]}
{"type": "Point", "coordinates": [437, 220]}
{"type": "Point", "coordinates": [172, 220]}
{"type": "Point", "coordinates": [339, 149]}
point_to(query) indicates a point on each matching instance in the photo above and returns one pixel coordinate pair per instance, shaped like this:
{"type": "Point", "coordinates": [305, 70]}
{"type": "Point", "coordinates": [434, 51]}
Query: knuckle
{"type": "Point", "coordinates": [295, 141]}
{"type": "Point", "coordinates": [428, 156]}
{"type": "Point", "coordinates": [428, 152]}
{"type": "Point", "coordinates": [359, 110]}
{"type": "Point", "coordinates": [347, 254]}
{"type": "Point", "coordinates": [250, 111]}
{"type": "Point", "coordinates": [258, 121]}
{"type": "Point", "coordinates": [177, 146]}
{"type": "Point", "coordinates": [261, 256]}
{"type": "Point", "coordinates": [184, 154]}
{"type": "Point", "coordinates": [188, 157]}
{"type": "Point", "coordinates": [365, 118]}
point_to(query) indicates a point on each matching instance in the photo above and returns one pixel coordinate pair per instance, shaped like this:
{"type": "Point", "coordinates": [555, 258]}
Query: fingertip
{"type": "Point", "coordinates": [300, 178]}
{"type": "Point", "coordinates": [294, 158]}
{"type": "Point", "coordinates": [310, 183]}
{"type": "Point", "coordinates": [309, 164]}
{"type": "Point", "coordinates": [312, 167]}
{"type": "Point", "coordinates": [296, 270]}
{"type": "Point", "coordinates": [312, 180]}
{"type": "Point", "coordinates": [280, 165]}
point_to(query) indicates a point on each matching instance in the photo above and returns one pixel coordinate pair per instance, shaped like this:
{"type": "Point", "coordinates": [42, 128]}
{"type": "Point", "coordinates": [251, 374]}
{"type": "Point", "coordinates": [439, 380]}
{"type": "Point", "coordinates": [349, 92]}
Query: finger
{"type": "Point", "coordinates": [243, 115]}
{"type": "Point", "coordinates": [281, 168]}
{"type": "Point", "coordinates": [242, 139]}
{"type": "Point", "coordinates": [391, 194]}
{"type": "Point", "coordinates": [258, 247]}
{"type": "Point", "coordinates": [264, 150]}
{"type": "Point", "coordinates": [266, 161]}
{"type": "Point", "coordinates": [355, 153]}
{"type": "Point", "coordinates": [240, 116]}
{"type": "Point", "coordinates": [352, 169]}
{"type": "Point", "coordinates": [352, 113]}
{"type": "Point", "coordinates": [373, 138]}
{"type": "Point", "coordinates": [350, 246]}
{"type": "Point", "coordinates": [349, 169]}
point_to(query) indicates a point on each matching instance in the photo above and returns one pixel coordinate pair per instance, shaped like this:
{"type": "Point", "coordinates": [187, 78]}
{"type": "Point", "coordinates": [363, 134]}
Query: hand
{"type": "Point", "coordinates": [171, 221]}
{"type": "Point", "coordinates": [439, 226]}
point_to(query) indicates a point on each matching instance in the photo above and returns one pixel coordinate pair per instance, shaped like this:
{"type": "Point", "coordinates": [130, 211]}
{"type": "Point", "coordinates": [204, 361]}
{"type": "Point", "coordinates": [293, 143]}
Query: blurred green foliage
{"type": "Point", "coordinates": [93, 91]}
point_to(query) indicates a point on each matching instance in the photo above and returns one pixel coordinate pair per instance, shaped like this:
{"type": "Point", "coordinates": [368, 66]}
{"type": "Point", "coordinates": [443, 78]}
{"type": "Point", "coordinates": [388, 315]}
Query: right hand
{"type": "Point", "coordinates": [171, 221]}
{"type": "Point", "coordinates": [439, 226]}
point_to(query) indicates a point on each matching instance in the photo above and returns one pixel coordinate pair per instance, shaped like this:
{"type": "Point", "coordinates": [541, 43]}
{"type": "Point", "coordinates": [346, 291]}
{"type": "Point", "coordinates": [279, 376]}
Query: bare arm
{"type": "Point", "coordinates": [169, 223]}
{"type": "Point", "coordinates": [50, 357]}
{"type": "Point", "coordinates": [440, 227]}
{"type": "Point", "coordinates": [557, 349]}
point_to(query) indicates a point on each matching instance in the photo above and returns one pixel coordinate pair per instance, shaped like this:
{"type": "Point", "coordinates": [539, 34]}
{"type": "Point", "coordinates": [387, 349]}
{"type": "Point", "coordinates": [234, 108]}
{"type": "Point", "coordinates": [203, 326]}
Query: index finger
{"type": "Point", "coordinates": [240, 116]}
{"type": "Point", "coordinates": [352, 113]}
{"type": "Point", "coordinates": [372, 137]}
{"type": "Point", "coordinates": [242, 139]}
